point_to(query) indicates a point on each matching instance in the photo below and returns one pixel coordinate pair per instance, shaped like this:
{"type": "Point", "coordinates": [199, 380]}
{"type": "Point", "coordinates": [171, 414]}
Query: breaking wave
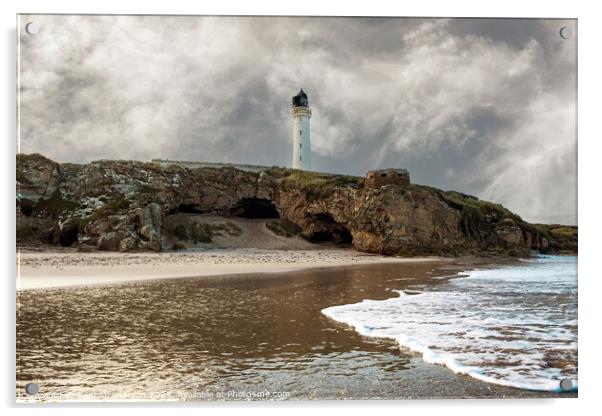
{"type": "Point", "coordinates": [513, 325]}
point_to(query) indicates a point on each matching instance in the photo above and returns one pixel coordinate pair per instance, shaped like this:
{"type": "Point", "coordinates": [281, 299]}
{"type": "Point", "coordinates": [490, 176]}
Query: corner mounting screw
{"type": "Point", "coordinates": [32, 388]}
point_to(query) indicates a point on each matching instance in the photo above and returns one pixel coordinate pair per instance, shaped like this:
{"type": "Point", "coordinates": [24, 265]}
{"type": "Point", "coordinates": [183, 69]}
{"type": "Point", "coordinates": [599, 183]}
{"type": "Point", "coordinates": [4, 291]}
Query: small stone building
{"type": "Point", "coordinates": [382, 177]}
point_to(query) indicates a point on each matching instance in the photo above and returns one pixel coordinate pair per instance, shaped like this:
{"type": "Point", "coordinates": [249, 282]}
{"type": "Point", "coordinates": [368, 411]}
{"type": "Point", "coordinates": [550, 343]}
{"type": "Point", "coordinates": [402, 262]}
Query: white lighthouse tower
{"type": "Point", "coordinates": [301, 144]}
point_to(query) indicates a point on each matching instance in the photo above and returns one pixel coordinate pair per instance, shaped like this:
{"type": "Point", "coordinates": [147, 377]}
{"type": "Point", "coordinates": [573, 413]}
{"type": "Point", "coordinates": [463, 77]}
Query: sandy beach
{"type": "Point", "coordinates": [52, 269]}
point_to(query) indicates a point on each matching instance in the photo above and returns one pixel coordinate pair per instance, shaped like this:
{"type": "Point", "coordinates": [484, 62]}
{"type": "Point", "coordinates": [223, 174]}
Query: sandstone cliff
{"type": "Point", "coordinates": [129, 206]}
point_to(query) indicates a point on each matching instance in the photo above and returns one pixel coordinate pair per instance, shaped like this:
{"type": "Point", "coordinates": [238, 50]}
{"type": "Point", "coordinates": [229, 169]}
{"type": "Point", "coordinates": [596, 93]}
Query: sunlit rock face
{"type": "Point", "coordinates": [128, 206]}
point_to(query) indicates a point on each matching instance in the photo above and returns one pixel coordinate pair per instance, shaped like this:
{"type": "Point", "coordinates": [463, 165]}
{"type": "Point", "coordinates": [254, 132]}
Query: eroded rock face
{"type": "Point", "coordinates": [37, 177]}
{"type": "Point", "coordinates": [125, 206]}
{"type": "Point", "coordinates": [38, 198]}
{"type": "Point", "coordinates": [387, 220]}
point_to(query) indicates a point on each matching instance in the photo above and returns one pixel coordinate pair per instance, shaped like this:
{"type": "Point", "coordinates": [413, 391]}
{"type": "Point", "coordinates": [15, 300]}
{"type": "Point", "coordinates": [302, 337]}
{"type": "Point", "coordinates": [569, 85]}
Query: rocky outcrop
{"type": "Point", "coordinates": [37, 177]}
{"type": "Point", "coordinates": [126, 206]}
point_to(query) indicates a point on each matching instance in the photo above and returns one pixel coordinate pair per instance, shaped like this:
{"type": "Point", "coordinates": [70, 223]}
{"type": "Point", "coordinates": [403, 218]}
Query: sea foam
{"type": "Point", "coordinates": [513, 325]}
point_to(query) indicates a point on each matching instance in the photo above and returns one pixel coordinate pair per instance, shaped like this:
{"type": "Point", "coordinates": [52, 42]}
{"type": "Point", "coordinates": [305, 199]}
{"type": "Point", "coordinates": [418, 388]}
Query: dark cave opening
{"type": "Point", "coordinates": [328, 230]}
{"type": "Point", "coordinates": [255, 208]}
{"type": "Point", "coordinates": [339, 236]}
{"type": "Point", "coordinates": [68, 235]}
{"type": "Point", "coordinates": [188, 209]}
{"type": "Point", "coordinates": [26, 208]}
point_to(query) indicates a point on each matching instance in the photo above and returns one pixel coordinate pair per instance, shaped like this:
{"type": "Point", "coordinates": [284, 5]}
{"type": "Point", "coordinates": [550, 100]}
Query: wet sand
{"type": "Point", "coordinates": [237, 337]}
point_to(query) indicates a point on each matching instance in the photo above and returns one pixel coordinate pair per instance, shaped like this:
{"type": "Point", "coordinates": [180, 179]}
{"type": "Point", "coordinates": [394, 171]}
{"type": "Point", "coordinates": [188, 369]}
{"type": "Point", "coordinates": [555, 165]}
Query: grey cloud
{"type": "Point", "coordinates": [483, 106]}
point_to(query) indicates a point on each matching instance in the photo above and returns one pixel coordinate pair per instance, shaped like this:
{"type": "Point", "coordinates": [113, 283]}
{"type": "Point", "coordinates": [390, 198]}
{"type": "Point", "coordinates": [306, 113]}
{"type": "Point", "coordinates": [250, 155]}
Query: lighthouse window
{"type": "Point", "coordinates": [301, 132]}
{"type": "Point", "coordinates": [300, 145]}
{"type": "Point", "coordinates": [300, 159]}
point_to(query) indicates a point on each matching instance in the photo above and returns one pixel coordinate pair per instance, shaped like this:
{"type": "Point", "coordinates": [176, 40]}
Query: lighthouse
{"type": "Point", "coordinates": [301, 144]}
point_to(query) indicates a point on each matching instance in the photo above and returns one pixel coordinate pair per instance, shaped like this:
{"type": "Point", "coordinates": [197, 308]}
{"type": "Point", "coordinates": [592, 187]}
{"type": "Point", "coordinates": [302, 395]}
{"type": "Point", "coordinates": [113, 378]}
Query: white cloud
{"type": "Point", "coordinates": [495, 115]}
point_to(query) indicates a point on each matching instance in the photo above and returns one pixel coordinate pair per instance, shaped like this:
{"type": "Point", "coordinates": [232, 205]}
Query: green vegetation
{"type": "Point", "coordinates": [178, 245]}
{"type": "Point", "coordinates": [200, 233]}
{"type": "Point", "coordinates": [564, 231]}
{"type": "Point", "coordinates": [54, 206]}
{"type": "Point", "coordinates": [197, 233]}
{"type": "Point", "coordinates": [279, 172]}
{"type": "Point", "coordinates": [101, 186]}
{"type": "Point", "coordinates": [564, 238]}
{"type": "Point", "coordinates": [36, 157]}
{"type": "Point", "coordinates": [172, 169]}
{"type": "Point", "coordinates": [21, 178]}
{"type": "Point", "coordinates": [146, 194]}
{"type": "Point", "coordinates": [283, 228]}
{"type": "Point", "coordinates": [24, 232]}
{"type": "Point", "coordinates": [146, 189]}
{"type": "Point", "coordinates": [316, 185]}
{"type": "Point", "coordinates": [483, 210]}
{"type": "Point", "coordinates": [180, 232]}
{"type": "Point", "coordinates": [476, 215]}
{"type": "Point", "coordinates": [112, 208]}
{"type": "Point", "coordinates": [229, 227]}
{"type": "Point", "coordinates": [204, 233]}
{"type": "Point", "coordinates": [560, 237]}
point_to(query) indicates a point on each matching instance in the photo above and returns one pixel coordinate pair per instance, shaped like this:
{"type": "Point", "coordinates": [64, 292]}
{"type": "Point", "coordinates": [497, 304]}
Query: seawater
{"type": "Point", "coordinates": [514, 325]}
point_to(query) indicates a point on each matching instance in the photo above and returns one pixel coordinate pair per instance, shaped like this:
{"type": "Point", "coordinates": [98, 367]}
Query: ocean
{"type": "Point", "coordinates": [512, 325]}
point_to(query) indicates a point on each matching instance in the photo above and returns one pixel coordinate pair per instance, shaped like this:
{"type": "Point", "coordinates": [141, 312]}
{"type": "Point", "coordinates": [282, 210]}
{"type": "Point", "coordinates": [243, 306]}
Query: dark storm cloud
{"type": "Point", "coordinates": [482, 106]}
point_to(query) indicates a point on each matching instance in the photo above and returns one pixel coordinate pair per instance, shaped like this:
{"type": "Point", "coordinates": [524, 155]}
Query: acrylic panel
{"type": "Point", "coordinates": [295, 208]}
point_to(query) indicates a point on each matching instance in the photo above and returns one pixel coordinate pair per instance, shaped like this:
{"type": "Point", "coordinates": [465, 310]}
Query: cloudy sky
{"type": "Point", "coordinates": [482, 106]}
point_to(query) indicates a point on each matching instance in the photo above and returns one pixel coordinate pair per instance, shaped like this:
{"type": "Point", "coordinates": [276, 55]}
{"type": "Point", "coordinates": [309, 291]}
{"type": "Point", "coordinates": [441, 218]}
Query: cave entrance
{"type": "Point", "coordinates": [26, 207]}
{"type": "Point", "coordinates": [339, 236]}
{"type": "Point", "coordinates": [328, 230]}
{"type": "Point", "coordinates": [255, 208]}
{"type": "Point", "coordinates": [68, 235]}
{"type": "Point", "coordinates": [188, 209]}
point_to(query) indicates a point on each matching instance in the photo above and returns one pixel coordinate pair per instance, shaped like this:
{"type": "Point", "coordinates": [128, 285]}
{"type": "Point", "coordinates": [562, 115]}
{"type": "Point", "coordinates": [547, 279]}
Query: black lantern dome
{"type": "Point", "coordinates": [300, 100]}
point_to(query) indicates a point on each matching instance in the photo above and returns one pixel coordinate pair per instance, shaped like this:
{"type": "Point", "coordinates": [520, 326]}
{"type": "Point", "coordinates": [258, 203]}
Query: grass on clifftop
{"type": "Point", "coordinates": [316, 185]}
{"type": "Point", "coordinates": [481, 210]}
{"type": "Point", "coordinates": [475, 212]}
{"type": "Point", "coordinates": [561, 237]}
{"type": "Point", "coordinates": [23, 158]}
{"type": "Point", "coordinates": [35, 157]}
